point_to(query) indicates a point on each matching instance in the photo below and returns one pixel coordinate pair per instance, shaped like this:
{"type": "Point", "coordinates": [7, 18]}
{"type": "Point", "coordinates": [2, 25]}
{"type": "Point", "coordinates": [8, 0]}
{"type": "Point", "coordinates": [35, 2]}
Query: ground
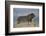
{"type": "Point", "coordinates": [24, 24]}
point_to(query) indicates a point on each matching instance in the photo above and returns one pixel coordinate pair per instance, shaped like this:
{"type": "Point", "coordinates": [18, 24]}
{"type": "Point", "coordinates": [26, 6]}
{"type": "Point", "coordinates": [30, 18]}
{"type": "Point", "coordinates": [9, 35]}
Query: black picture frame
{"type": "Point", "coordinates": [7, 3]}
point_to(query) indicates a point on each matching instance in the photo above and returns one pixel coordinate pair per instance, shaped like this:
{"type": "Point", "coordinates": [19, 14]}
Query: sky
{"type": "Point", "coordinates": [24, 11]}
